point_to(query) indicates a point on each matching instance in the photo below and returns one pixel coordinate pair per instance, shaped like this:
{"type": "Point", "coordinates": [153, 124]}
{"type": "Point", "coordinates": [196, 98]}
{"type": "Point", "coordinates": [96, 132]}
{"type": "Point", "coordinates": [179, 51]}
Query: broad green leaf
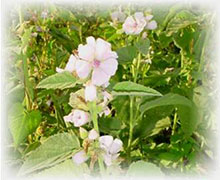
{"type": "Point", "coordinates": [181, 20]}
{"type": "Point", "coordinates": [22, 124]}
{"type": "Point", "coordinates": [58, 81]}
{"type": "Point", "coordinates": [126, 54]}
{"type": "Point", "coordinates": [17, 123]}
{"type": "Point", "coordinates": [143, 45]}
{"type": "Point", "coordinates": [33, 120]}
{"type": "Point", "coordinates": [189, 118]}
{"type": "Point", "coordinates": [187, 111]}
{"type": "Point", "coordinates": [65, 169]}
{"type": "Point", "coordinates": [109, 124]}
{"type": "Point", "coordinates": [168, 99]}
{"type": "Point", "coordinates": [153, 121]}
{"type": "Point", "coordinates": [130, 88]}
{"type": "Point", "coordinates": [53, 151]}
{"type": "Point", "coordinates": [143, 169]}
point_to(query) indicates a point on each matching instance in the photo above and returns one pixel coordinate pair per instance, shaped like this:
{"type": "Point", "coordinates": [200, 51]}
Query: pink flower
{"type": "Point", "coordinates": [150, 24]}
{"type": "Point", "coordinates": [118, 16]}
{"type": "Point", "coordinates": [70, 66]}
{"type": "Point", "coordinates": [77, 117]}
{"type": "Point", "coordinates": [90, 92]}
{"type": "Point", "coordinates": [93, 134]}
{"type": "Point", "coordinates": [80, 157]}
{"type": "Point", "coordinates": [134, 25]}
{"type": "Point", "coordinates": [96, 56]}
{"type": "Point", "coordinates": [111, 148]}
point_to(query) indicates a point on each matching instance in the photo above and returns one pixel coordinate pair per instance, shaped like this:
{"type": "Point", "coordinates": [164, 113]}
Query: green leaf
{"type": "Point", "coordinates": [22, 124]}
{"type": "Point", "coordinates": [129, 88]}
{"type": "Point", "coordinates": [67, 168]}
{"type": "Point", "coordinates": [168, 99]}
{"type": "Point", "coordinates": [53, 151]}
{"type": "Point", "coordinates": [188, 118]}
{"type": "Point", "coordinates": [143, 169]}
{"type": "Point", "coordinates": [33, 120]}
{"type": "Point", "coordinates": [187, 110]}
{"type": "Point", "coordinates": [143, 45]}
{"type": "Point", "coordinates": [126, 54]}
{"type": "Point", "coordinates": [109, 124]}
{"type": "Point", "coordinates": [58, 81]}
{"type": "Point", "coordinates": [153, 121]}
{"type": "Point", "coordinates": [17, 123]}
{"type": "Point", "coordinates": [181, 20]}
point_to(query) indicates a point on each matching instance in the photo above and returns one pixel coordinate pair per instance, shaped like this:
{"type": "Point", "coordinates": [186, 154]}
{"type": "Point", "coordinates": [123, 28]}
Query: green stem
{"type": "Point", "coordinates": [174, 123]}
{"type": "Point", "coordinates": [94, 114]}
{"type": "Point", "coordinates": [130, 125]}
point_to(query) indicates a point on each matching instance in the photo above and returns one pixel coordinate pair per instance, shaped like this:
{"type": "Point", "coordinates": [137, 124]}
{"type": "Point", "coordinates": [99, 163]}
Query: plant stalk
{"type": "Point", "coordinates": [93, 111]}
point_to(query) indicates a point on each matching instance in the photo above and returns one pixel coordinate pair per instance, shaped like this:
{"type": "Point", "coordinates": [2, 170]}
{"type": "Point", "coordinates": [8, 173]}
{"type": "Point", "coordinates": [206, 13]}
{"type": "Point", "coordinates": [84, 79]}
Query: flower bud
{"type": "Point", "coordinates": [83, 133]}
{"type": "Point", "coordinates": [93, 134]}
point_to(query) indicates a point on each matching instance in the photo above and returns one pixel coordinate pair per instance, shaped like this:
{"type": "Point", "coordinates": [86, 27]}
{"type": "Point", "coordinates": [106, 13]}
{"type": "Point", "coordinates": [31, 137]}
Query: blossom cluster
{"type": "Point", "coordinates": [95, 63]}
{"type": "Point", "coordinates": [135, 24]}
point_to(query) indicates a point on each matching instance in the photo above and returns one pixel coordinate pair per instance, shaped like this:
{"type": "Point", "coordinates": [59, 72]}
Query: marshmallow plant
{"type": "Point", "coordinates": [94, 64]}
{"type": "Point", "coordinates": [91, 67]}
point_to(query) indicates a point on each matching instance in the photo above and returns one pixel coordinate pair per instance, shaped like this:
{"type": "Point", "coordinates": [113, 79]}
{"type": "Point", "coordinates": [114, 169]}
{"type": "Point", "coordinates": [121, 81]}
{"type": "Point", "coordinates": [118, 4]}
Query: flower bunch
{"type": "Point", "coordinates": [135, 24]}
{"type": "Point", "coordinates": [94, 64]}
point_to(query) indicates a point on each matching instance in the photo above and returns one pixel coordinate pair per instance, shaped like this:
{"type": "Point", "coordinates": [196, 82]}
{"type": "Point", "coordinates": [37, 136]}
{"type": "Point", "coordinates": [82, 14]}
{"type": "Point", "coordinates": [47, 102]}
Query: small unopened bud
{"type": "Point", "coordinates": [83, 133]}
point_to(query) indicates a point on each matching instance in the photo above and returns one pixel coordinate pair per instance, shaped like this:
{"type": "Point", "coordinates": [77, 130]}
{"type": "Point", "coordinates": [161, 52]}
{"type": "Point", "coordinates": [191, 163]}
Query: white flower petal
{"type": "Point", "coordinates": [86, 52]}
{"type": "Point", "coordinates": [152, 25]}
{"type": "Point", "coordinates": [80, 157]}
{"type": "Point", "coordinates": [116, 146]}
{"type": "Point", "coordinates": [70, 66]}
{"type": "Point", "coordinates": [59, 70]}
{"type": "Point", "coordinates": [91, 41]}
{"type": "Point", "coordinates": [109, 66]}
{"type": "Point", "coordinates": [107, 159]}
{"type": "Point", "coordinates": [90, 93]}
{"type": "Point", "coordinates": [149, 17]}
{"type": "Point", "coordinates": [138, 15]}
{"type": "Point", "coordinates": [129, 25]}
{"type": "Point", "coordinates": [83, 68]}
{"type": "Point", "coordinates": [93, 134]}
{"type": "Point", "coordinates": [105, 141]}
{"type": "Point", "coordinates": [80, 117]}
{"type": "Point", "coordinates": [102, 47]}
{"type": "Point", "coordinates": [99, 77]}
{"type": "Point", "coordinates": [69, 117]}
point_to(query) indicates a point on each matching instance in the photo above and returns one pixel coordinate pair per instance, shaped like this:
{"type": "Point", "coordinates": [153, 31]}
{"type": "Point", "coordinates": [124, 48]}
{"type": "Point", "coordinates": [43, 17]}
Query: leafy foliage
{"type": "Point", "coordinates": [58, 81]}
{"type": "Point", "coordinates": [161, 90]}
{"type": "Point", "coordinates": [53, 151]}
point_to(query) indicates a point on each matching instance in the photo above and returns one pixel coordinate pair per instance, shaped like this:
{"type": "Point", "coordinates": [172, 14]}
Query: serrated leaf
{"type": "Point", "coordinates": [133, 89]}
{"type": "Point", "coordinates": [53, 151]}
{"type": "Point", "coordinates": [65, 169]}
{"type": "Point", "coordinates": [58, 81]}
{"type": "Point", "coordinates": [126, 54]}
{"type": "Point", "coordinates": [143, 169]}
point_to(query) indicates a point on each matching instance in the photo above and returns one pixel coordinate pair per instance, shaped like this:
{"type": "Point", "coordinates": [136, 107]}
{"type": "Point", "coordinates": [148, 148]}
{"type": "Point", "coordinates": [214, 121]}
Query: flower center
{"type": "Point", "coordinates": [96, 63]}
